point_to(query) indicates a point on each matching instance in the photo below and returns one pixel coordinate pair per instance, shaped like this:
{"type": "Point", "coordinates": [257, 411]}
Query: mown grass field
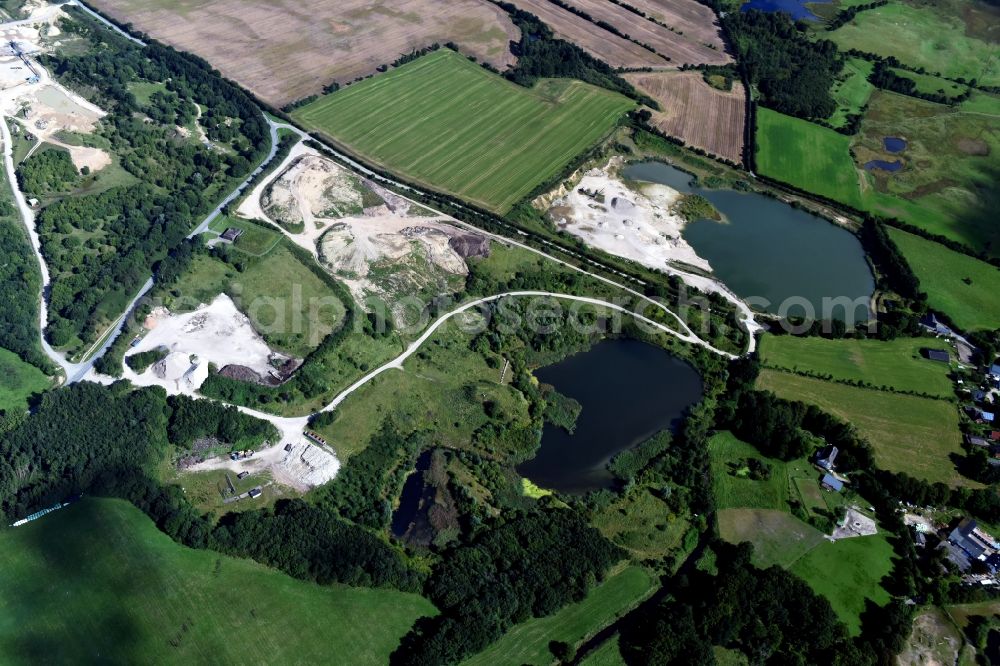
{"type": "Point", "coordinates": [908, 434]}
{"type": "Point", "coordinates": [972, 305]}
{"type": "Point", "coordinates": [528, 642]}
{"type": "Point", "coordinates": [847, 572]}
{"type": "Point", "coordinates": [940, 37]}
{"type": "Point", "coordinates": [450, 124]}
{"type": "Point", "coordinates": [778, 537]}
{"type": "Point", "coordinates": [737, 491]}
{"type": "Point", "coordinates": [806, 155]}
{"type": "Point", "coordinates": [98, 582]}
{"type": "Point", "coordinates": [18, 380]}
{"type": "Point", "coordinates": [932, 85]}
{"type": "Point", "coordinates": [897, 364]}
{"type": "Point", "coordinates": [852, 89]}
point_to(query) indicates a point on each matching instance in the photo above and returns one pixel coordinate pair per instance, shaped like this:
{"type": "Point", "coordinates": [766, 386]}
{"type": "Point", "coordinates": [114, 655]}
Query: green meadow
{"type": "Point", "coordinates": [962, 287]}
{"type": "Point", "coordinates": [806, 155]}
{"type": "Point", "coordinates": [950, 38]}
{"type": "Point", "coordinates": [528, 642]}
{"type": "Point", "coordinates": [851, 90]}
{"type": "Point", "coordinates": [449, 124]}
{"type": "Point", "coordinates": [908, 434]}
{"type": "Point", "coordinates": [18, 380]}
{"type": "Point", "coordinates": [848, 572]}
{"type": "Point", "coordinates": [98, 582]}
{"type": "Point", "coordinates": [897, 364]}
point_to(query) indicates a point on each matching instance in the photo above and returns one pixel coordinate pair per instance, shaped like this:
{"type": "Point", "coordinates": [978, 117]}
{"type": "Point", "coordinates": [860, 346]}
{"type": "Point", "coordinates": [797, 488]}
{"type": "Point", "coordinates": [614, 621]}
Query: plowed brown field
{"type": "Point", "coordinates": [695, 112]}
{"type": "Point", "coordinates": [597, 41]}
{"type": "Point", "coordinates": [694, 38]}
{"type": "Point", "coordinates": [283, 50]}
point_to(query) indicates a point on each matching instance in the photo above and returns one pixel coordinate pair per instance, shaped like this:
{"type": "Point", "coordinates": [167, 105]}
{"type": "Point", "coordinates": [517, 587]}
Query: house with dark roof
{"type": "Point", "coordinates": [826, 457]}
{"type": "Point", "coordinates": [231, 234]}
{"type": "Point", "coordinates": [976, 441]}
{"type": "Point", "coordinates": [930, 322]}
{"type": "Point", "coordinates": [937, 355]}
{"type": "Point", "coordinates": [831, 483]}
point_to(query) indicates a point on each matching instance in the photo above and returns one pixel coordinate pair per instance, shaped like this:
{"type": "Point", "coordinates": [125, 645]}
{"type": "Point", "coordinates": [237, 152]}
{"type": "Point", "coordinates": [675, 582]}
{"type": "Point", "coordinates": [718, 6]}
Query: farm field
{"type": "Point", "coordinates": [511, 139]}
{"type": "Point", "coordinates": [897, 364]}
{"type": "Point", "coordinates": [528, 642]}
{"type": "Point", "coordinates": [951, 165]}
{"type": "Point", "coordinates": [18, 380]}
{"type": "Point", "coordinates": [283, 51]}
{"type": "Point", "coordinates": [806, 155]}
{"type": "Point", "coordinates": [950, 38]}
{"type": "Point", "coordinates": [942, 272]}
{"type": "Point", "coordinates": [847, 572]}
{"type": "Point", "coordinates": [597, 41]}
{"type": "Point", "coordinates": [851, 90]}
{"type": "Point", "coordinates": [686, 46]}
{"type": "Point", "coordinates": [99, 581]}
{"type": "Point", "coordinates": [907, 433]}
{"type": "Point", "coordinates": [694, 19]}
{"type": "Point", "coordinates": [695, 112]}
{"type": "Point", "coordinates": [932, 85]}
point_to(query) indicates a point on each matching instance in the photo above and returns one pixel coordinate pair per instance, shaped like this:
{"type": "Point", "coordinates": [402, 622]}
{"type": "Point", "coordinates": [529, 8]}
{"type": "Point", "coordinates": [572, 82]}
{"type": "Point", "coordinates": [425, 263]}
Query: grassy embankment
{"type": "Point", "coordinates": [98, 581]}
{"type": "Point", "coordinates": [958, 285]}
{"type": "Point", "coordinates": [449, 124]}
{"type": "Point", "coordinates": [846, 572]}
{"type": "Point", "coordinates": [908, 434]}
{"type": "Point", "coordinates": [897, 364]}
{"type": "Point", "coordinates": [528, 642]}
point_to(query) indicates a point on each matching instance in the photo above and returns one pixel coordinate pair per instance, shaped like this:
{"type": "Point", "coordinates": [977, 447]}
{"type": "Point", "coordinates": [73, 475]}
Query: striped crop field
{"type": "Point", "coordinates": [449, 124]}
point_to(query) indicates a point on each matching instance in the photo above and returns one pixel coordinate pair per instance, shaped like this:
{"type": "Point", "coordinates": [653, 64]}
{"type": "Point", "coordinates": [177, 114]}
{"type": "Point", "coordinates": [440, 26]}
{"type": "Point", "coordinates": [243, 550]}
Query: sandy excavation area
{"type": "Point", "coordinates": [378, 243]}
{"type": "Point", "coordinates": [44, 108]}
{"type": "Point", "coordinates": [214, 333]}
{"type": "Point", "coordinates": [284, 50]}
{"type": "Point", "coordinates": [301, 465]}
{"type": "Point", "coordinates": [639, 225]}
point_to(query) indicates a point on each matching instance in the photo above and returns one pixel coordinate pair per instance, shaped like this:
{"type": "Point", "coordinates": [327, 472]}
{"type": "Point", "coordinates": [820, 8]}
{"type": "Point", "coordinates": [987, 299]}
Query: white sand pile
{"type": "Point", "coordinates": [215, 333]}
{"type": "Point", "coordinates": [610, 216]}
{"type": "Point", "coordinates": [306, 466]}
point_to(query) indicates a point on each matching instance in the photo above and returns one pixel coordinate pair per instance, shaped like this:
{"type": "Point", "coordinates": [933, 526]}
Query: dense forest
{"type": "Point", "coordinates": [131, 227]}
{"type": "Point", "coordinates": [531, 565]}
{"type": "Point", "coordinates": [20, 284]}
{"type": "Point", "coordinates": [793, 73]}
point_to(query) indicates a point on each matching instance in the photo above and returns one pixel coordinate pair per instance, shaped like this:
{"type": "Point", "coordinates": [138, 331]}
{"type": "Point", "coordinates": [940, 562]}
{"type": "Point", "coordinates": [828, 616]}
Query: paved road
{"type": "Point", "coordinates": [106, 22]}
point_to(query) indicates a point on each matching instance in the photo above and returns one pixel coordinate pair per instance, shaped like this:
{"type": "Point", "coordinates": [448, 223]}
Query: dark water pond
{"type": "Point", "coordinates": [895, 165]}
{"type": "Point", "coordinates": [796, 9]}
{"type": "Point", "coordinates": [629, 390]}
{"type": "Point", "coordinates": [779, 258]}
{"type": "Point", "coordinates": [406, 514]}
{"type": "Point", "coordinates": [894, 144]}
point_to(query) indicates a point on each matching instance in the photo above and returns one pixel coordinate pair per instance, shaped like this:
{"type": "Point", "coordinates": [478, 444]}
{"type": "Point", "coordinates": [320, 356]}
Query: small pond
{"type": "Point", "coordinates": [629, 390]}
{"type": "Point", "coordinates": [893, 144]}
{"type": "Point", "coordinates": [409, 515]}
{"type": "Point", "coordinates": [885, 165]}
{"type": "Point", "coordinates": [797, 9]}
{"type": "Point", "coordinates": [779, 258]}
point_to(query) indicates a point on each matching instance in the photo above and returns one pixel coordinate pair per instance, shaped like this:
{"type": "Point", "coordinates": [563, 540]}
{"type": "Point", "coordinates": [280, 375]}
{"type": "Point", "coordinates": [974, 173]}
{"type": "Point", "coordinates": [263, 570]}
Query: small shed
{"type": "Point", "coordinates": [242, 475]}
{"type": "Point", "coordinates": [937, 355]}
{"type": "Point", "coordinates": [831, 483]}
{"type": "Point", "coordinates": [231, 234]}
{"type": "Point", "coordinates": [976, 441]}
{"type": "Point", "coordinates": [255, 493]}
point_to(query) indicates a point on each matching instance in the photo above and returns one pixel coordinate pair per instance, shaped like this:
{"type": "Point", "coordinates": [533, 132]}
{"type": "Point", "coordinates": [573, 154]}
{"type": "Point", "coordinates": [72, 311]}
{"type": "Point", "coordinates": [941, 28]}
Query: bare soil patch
{"type": "Point", "coordinates": [695, 112]}
{"type": "Point", "coordinates": [974, 147]}
{"type": "Point", "coordinates": [284, 50]}
{"type": "Point", "coordinates": [597, 41]}
{"type": "Point", "coordinates": [693, 36]}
